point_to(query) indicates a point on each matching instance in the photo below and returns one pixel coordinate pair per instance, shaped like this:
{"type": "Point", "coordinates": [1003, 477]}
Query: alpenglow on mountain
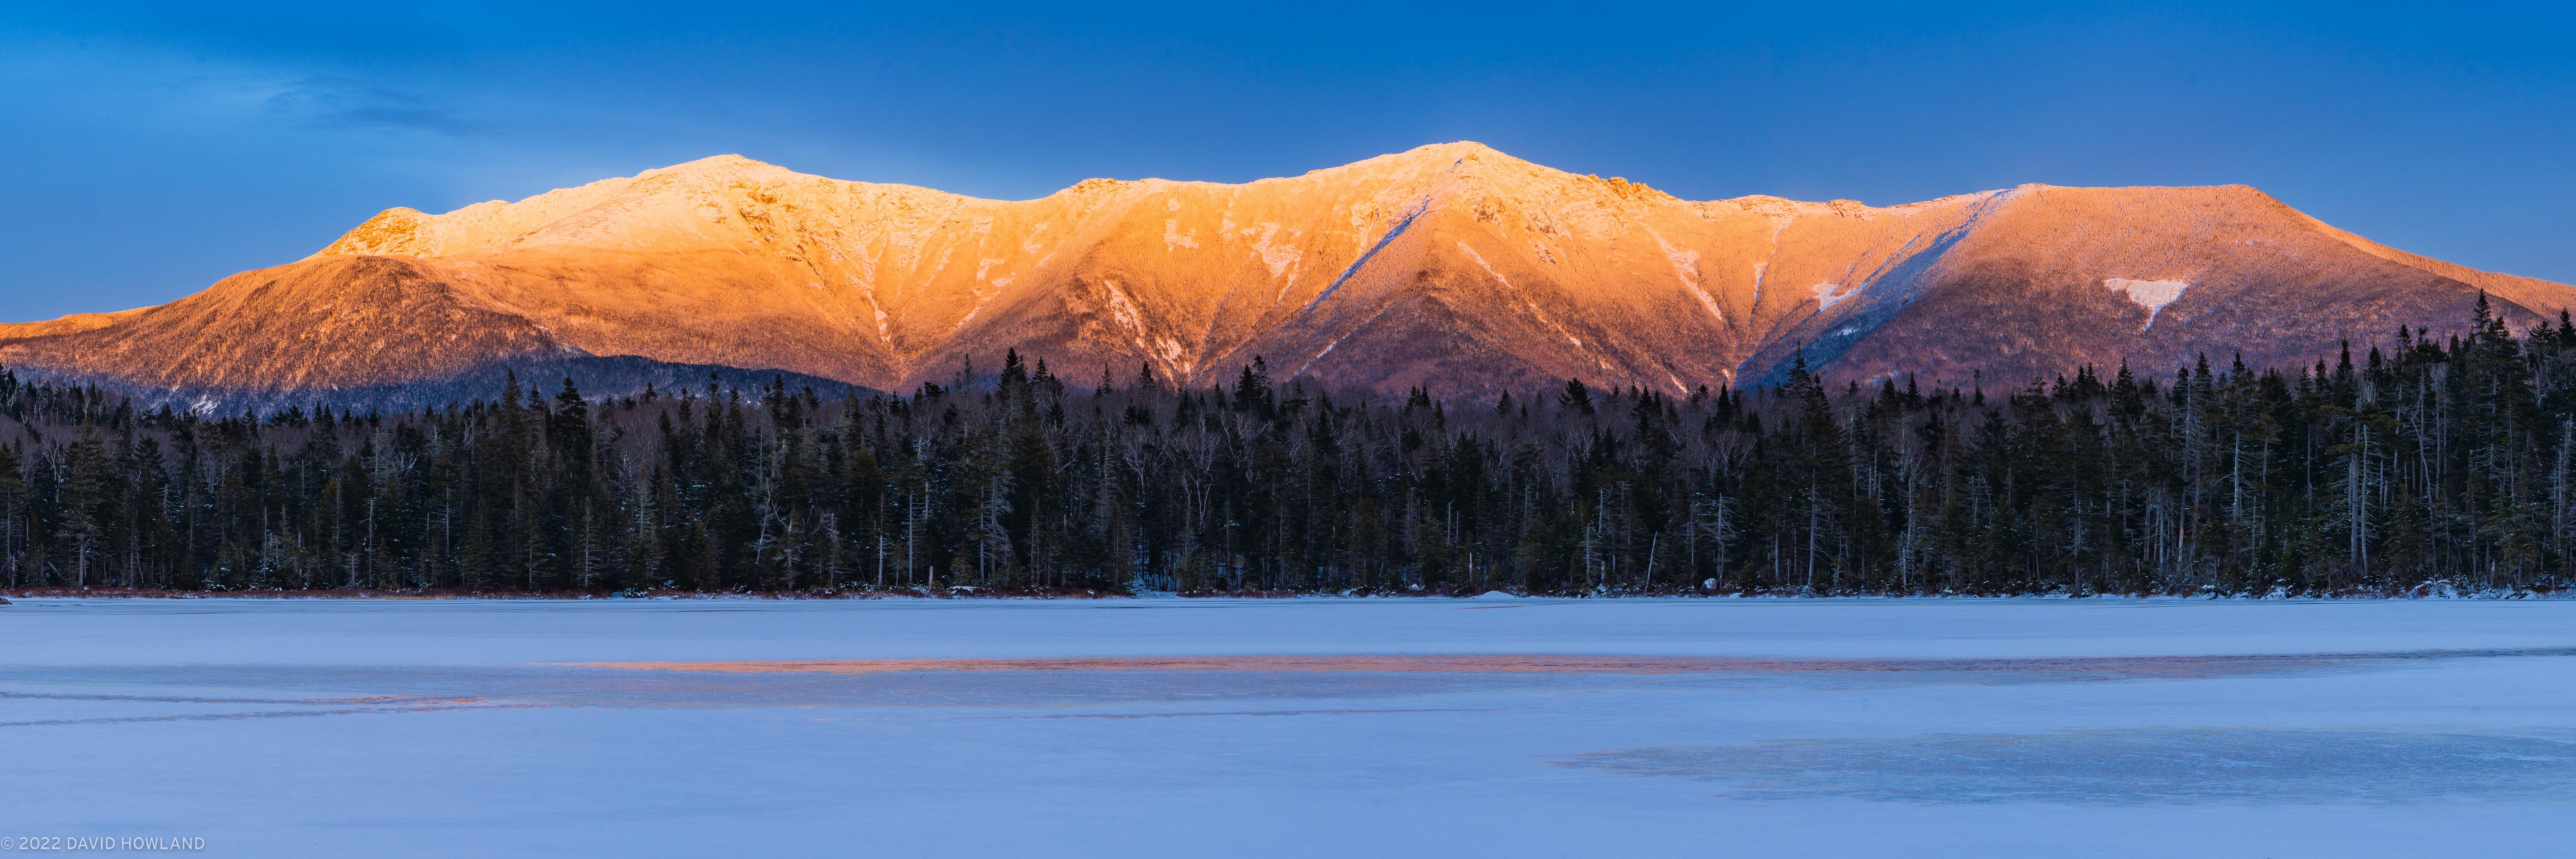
{"type": "Point", "coordinates": [1454, 267]}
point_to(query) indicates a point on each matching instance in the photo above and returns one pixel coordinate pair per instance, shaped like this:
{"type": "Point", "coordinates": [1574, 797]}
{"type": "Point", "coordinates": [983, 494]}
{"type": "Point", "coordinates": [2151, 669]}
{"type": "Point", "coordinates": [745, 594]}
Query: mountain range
{"type": "Point", "coordinates": [1452, 267]}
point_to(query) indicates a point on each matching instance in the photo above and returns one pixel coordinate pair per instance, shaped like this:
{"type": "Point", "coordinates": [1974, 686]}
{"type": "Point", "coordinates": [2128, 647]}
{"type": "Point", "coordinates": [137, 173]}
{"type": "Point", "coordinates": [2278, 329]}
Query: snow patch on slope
{"type": "Point", "coordinates": [1535, 313]}
{"type": "Point", "coordinates": [1480, 260]}
{"type": "Point", "coordinates": [1124, 310]}
{"type": "Point", "coordinates": [1277, 256]}
{"type": "Point", "coordinates": [1337, 341]}
{"type": "Point", "coordinates": [1686, 267]}
{"type": "Point", "coordinates": [1825, 297]}
{"type": "Point", "coordinates": [2150, 294]}
{"type": "Point", "coordinates": [1356, 264]}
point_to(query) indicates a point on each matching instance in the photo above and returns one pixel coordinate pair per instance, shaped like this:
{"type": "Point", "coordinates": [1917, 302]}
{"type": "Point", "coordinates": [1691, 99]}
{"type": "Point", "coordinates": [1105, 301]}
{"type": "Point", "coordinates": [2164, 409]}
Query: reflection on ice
{"type": "Point", "coordinates": [1108, 680]}
{"type": "Point", "coordinates": [580, 686]}
{"type": "Point", "coordinates": [358, 706]}
{"type": "Point", "coordinates": [2042, 669]}
{"type": "Point", "coordinates": [2122, 766]}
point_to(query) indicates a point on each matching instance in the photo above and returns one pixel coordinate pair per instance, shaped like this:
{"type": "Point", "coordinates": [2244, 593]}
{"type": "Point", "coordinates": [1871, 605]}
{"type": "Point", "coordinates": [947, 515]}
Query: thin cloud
{"type": "Point", "coordinates": [345, 103]}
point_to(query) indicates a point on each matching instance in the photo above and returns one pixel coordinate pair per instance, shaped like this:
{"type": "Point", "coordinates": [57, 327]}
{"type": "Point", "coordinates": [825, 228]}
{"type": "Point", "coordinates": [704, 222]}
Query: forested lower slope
{"type": "Point", "coordinates": [2417, 464]}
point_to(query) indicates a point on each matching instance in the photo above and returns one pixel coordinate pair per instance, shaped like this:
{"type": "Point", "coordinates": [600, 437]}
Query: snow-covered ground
{"type": "Point", "coordinates": [1760, 727]}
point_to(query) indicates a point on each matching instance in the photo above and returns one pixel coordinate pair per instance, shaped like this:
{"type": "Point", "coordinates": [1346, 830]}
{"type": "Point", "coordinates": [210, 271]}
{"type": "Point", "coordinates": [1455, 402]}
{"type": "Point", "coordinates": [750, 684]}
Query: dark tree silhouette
{"type": "Point", "coordinates": [2432, 464]}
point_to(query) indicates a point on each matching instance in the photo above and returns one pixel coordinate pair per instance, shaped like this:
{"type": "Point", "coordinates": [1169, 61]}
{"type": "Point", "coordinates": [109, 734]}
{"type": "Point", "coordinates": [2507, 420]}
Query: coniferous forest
{"type": "Point", "coordinates": [2432, 464]}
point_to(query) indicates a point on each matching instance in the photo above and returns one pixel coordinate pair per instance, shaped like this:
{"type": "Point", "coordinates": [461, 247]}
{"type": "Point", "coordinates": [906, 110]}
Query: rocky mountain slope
{"type": "Point", "coordinates": [1452, 266]}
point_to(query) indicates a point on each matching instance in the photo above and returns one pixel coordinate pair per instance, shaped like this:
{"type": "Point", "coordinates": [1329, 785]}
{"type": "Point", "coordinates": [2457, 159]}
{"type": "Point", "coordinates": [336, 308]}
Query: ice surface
{"type": "Point", "coordinates": [1297, 727]}
{"type": "Point", "coordinates": [2134, 766]}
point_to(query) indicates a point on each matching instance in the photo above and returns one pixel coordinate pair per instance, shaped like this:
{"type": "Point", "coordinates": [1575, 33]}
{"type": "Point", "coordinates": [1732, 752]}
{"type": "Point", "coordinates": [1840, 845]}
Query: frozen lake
{"type": "Point", "coordinates": [1295, 727]}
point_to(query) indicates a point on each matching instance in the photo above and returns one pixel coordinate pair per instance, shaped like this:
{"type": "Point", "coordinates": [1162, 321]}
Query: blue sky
{"type": "Point", "coordinates": [162, 146]}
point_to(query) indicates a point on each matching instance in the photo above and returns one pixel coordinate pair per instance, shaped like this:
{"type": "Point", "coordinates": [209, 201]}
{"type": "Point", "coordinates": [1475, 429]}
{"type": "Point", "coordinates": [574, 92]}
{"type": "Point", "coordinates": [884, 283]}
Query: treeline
{"type": "Point", "coordinates": [2440, 463]}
